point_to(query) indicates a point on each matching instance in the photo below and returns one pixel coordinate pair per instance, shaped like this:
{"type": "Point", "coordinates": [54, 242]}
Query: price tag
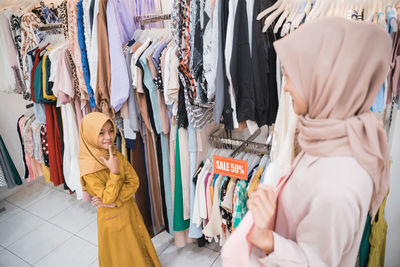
{"type": "Point", "coordinates": [230, 167]}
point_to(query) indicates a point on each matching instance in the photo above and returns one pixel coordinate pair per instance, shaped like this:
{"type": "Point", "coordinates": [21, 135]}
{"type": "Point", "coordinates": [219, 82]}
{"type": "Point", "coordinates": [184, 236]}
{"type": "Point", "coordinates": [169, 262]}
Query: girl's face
{"type": "Point", "coordinates": [106, 136]}
{"type": "Point", "coordinates": [300, 106]}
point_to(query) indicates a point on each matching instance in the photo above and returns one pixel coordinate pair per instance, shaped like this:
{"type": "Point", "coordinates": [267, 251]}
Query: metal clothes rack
{"type": "Point", "coordinates": [217, 139]}
{"type": "Point", "coordinates": [50, 26]}
{"type": "Point", "coordinates": [151, 18]}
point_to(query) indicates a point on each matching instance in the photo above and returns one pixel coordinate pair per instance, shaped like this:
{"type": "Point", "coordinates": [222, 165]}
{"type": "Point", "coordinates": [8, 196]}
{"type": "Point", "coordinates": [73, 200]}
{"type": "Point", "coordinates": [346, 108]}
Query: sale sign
{"type": "Point", "coordinates": [234, 168]}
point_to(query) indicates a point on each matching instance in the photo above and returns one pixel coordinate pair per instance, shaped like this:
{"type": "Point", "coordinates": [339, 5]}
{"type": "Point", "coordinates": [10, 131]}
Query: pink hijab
{"type": "Point", "coordinates": [338, 66]}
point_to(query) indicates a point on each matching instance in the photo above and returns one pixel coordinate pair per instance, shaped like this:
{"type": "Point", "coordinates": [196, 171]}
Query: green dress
{"type": "Point", "coordinates": [179, 223]}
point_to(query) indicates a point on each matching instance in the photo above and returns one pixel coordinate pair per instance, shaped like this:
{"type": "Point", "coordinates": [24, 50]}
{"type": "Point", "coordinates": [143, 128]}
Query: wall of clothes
{"type": "Point", "coordinates": [168, 84]}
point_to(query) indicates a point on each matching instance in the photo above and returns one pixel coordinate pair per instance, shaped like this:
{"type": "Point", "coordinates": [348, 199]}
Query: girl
{"type": "Point", "coordinates": [112, 181]}
{"type": "Point", "coordinates": [334, 68]}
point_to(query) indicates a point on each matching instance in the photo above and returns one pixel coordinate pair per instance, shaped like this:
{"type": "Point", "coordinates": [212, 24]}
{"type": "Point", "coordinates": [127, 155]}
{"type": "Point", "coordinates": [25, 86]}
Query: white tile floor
{"type": "Point", "coordinates": [45, 226]}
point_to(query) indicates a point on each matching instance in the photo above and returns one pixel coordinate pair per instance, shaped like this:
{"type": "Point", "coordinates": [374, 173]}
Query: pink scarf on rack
{"type": "Point", "coordinates": [338, 66]}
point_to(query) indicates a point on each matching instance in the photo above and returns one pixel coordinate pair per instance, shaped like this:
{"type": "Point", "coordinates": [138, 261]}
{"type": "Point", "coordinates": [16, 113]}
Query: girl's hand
{"type": "Point", "coordinates": [262, 205]}
{"type": "Point", "coordinates": [96, 201]}
{"type": "Point", "coordinates": [112, 163]}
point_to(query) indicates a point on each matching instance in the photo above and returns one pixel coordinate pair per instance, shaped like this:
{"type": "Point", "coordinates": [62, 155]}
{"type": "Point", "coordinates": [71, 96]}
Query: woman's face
{"type": "Point", "coordinates": [106, 136]}
{"type": "Point", "coordinates": [299, 104]}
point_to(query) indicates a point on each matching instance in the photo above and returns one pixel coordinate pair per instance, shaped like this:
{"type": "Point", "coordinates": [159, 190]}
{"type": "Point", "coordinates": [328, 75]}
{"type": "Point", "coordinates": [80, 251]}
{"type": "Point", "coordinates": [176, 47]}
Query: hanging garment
{"type": "Point", "coordinates": [54, 141]}
{"type": "Point", "coordinates": [180, 223]}
{"type": "Point", "coordinates": [84, 58]}
{"type": "Point", "coordinates": [142, 194]}
{"type": "Point", "coordinates": [7, 165]}
{"type": "Point", "coordinates": [377, 239]}
{"type": "Point", "coordinates": [103, 79]}
{"type": "Point", "coordinates": [20, 123]}
{"type": "Point", "coordinates": [71, 148]}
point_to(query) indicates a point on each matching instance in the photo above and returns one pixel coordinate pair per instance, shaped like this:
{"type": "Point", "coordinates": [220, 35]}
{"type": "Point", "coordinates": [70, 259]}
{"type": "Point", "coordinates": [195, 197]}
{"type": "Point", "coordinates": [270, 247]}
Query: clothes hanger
{"type": "Point", "coordinates": [314, 7]}
{"type": "Point", "coordinates": [324, 9]}
{"type": "Point", "coordinates": [271, 18]}
{"type": "Point", "coordinates": [303, 13]}
{"type": "Point", "coordinates": [286, 27]}
{"type": "Point", "coordinates": [281, 19]}
{"type": "Point", "coordinates": [291, 9]}
{"type": "Point", "coordinates": [275, 6]}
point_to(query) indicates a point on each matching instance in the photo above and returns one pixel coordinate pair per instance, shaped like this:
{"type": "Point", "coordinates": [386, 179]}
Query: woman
{"type": "Point", "coordinates": [334, 68]}
{"type": "Point", "coordinates": [112, 181]}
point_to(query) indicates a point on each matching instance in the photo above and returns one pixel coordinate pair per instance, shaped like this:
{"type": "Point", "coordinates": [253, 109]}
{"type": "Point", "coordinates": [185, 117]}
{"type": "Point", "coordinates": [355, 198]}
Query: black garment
{"type": "Point", "coordinates": [197, 59]}
{"type": "Point", "coordinates": [227, 118]}
{"type": "Point", "coordinates": [137, 159]}
{"type": "Point", "coordinates": [183, 121]}
{"type": "Point", "coordinates": [91, 14]}
{"type": "Point", "coordinates": [7, 165]}
{"type": "Point", "coordinates": [49, 84]}
{"type": "Point", "coordinates": [241, 66]}
{"type": "Point", "coordinates": [60, 128]}
{"type": "Point", "coordinates": [226, 216]}
{"type": "Point", "coordinates": [196, 174]}
{"type": "Point", "coordinates": [26, 175]}
{"type": "Point", "coordinates": [158, 81]}
{"type": "Point", "coordinates": [253, 70]}
{"type": "Point", "coordinates": [162, 186]}
{"type": "Point", "coordinates": [264, 68]}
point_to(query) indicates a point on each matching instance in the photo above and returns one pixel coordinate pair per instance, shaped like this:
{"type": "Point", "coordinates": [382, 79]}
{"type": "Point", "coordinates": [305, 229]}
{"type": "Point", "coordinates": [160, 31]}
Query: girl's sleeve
{"type": "Point", "coordinates": [130, 185]}
{"type": "Point", "coordinates": [108, 192]}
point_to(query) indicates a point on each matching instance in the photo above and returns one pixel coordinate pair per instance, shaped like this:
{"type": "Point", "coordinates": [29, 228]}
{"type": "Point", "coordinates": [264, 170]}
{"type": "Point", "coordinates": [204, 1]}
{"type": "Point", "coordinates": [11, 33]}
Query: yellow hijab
{"type": "Point", "coordinates": [89, 151]}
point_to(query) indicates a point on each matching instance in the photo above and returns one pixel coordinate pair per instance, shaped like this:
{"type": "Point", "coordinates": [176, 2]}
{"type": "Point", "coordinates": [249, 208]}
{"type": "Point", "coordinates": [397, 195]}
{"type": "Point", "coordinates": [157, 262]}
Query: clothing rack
{"type": "Point", "coordinates": [240, 145]}
{"type": "Point", "coordinates": [50, 26]}
{"type": "Point", "coordinates": [151, 18]}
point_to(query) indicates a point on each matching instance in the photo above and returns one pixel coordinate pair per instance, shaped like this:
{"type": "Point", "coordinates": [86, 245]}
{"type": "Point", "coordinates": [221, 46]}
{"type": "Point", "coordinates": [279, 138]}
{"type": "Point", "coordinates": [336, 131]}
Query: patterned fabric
{"type": "Point", "coordinates": [239, 200]}
{"type": "Point", "coordinates": [73, 47]}
{"type": "Point", "coordinates": [30, 38]}
{"type": "Point", "coordinates": [73, 72]}
{"type": "Point", "coordinates": [2, 178]}
{"type": "Point", "coordinates": [176, 14]}
{"type": "Point", "coordinates": [49, 14]}
{"type": "Point", "coordinates": [158, 80]}
{"type": "Point", "coordinates": [45, 145]}
{"type": "Point", "coordinates": [226, 216]}
{"type": "Point", "coordinates": [28, 137]}
{"type": "Point", "coordinates": [15, 26]}
{"type": "Point", "coordinates": [19, 85]}
{"type": "Point", "coordinates": [37, 141]}
{"type": "Point", "coordinates": [64, 17]}
{"type": "Point", "coordinates": [199, 115]}
{"type": "Point", "coordinates": [84, 57]}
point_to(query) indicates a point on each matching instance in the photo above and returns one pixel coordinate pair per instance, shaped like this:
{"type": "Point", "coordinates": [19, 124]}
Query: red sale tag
{"type": "Point", "coordinates": [234, 168]}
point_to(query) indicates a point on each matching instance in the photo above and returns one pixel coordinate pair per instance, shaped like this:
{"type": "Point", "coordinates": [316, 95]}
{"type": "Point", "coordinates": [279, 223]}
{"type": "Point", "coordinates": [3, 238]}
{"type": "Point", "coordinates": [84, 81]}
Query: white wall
{"type": "Point", "coordinates": [392, 211]}
{"type": "Point", "coordinates": [12, 106]}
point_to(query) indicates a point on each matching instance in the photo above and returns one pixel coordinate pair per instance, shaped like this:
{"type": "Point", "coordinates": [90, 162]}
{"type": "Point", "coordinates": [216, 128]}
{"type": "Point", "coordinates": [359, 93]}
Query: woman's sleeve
{"type": "Point", "coordinates": [130, 185]}
{"type": "Point", "coordinates": [108, 192]}
{"type": "Point", "coordinates": [326, 232]}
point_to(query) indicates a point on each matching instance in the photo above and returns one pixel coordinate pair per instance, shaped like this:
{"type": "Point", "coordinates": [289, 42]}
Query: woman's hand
{"type": "Point", "coordinates": [112, 163]}
{"type": "Point", "coordinates": [96, 201]}
{"type": "Point", "coordinates": [262, 205]}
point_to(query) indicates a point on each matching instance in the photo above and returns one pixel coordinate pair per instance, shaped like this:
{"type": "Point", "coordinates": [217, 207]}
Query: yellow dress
{"type": "Point", "coordinates": [123, 238]}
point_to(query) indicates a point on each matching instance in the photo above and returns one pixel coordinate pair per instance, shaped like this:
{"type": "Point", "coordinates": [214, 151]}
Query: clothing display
{"type": "Point", "coordinates": [170, 75]}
